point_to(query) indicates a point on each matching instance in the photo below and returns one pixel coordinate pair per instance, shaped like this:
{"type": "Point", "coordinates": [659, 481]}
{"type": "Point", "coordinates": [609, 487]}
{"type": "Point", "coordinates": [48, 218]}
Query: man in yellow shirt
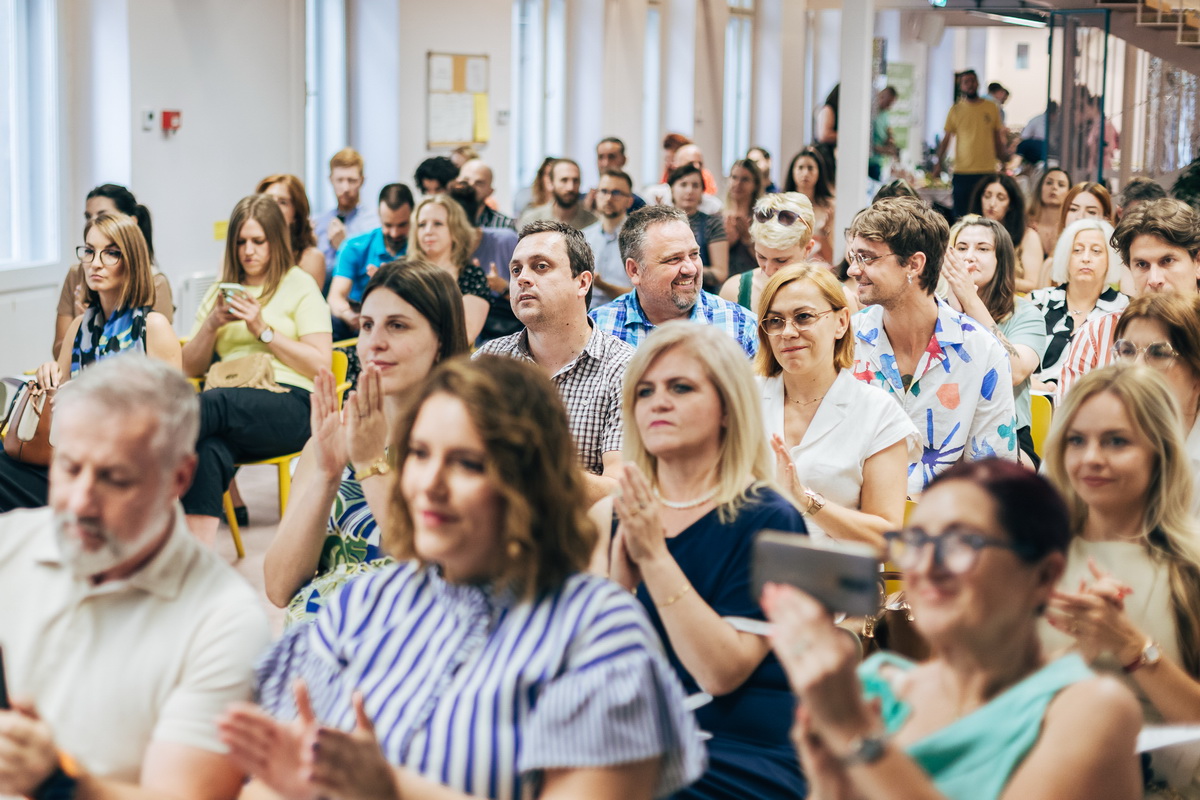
{"type": "Point", "coordinates": [981, 142]}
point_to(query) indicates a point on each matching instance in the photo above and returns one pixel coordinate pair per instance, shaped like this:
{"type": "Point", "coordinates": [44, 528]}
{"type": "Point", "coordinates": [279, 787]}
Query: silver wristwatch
{"type": "Point", "coordinates": [267, 336]}
{"type": "Point", "coordinates": [865, 750]}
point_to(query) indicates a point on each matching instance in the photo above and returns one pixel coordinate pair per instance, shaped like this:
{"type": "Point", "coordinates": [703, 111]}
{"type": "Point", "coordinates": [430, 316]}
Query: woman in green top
{"type": "Point", "coordinates": [781, 228]}
{"type": "Point", "coordinates": [980, 268]}
{"type": "Point", "coordinates": [988, 715]}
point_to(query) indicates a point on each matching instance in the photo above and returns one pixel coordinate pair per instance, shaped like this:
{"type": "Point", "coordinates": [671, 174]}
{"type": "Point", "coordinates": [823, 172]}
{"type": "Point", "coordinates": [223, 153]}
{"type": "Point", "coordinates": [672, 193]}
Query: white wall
{"type": "Point", "coordinates": [1027, 87]}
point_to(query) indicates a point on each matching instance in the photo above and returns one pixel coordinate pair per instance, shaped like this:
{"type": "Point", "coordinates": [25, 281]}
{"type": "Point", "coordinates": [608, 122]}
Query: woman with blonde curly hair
{"type": "Point", "coordinates": [1129, 600]}
{"type": "Point", "coordinates": [697, 486]}
{"type": "Point", "coordinates": [444, 236]}
{"type": "Point", "coordinates": [485, 663]}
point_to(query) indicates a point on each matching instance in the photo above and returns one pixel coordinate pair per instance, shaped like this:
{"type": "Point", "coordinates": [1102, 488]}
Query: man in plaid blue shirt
{"type": "Point", "coordinates": [663, 263]}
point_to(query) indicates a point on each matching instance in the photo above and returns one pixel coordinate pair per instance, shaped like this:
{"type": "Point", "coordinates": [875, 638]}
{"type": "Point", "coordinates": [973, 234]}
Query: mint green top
{"type": "Point", "coordinates": [973, 757]}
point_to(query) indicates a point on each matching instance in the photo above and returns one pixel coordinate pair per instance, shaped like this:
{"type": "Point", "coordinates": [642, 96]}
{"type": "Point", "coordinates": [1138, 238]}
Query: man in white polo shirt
{"type": "Point", "coordinates": [123, 636]}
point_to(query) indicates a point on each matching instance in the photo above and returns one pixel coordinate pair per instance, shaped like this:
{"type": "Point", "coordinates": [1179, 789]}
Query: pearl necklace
{"type": "Point", "coordinates": [680, 505]}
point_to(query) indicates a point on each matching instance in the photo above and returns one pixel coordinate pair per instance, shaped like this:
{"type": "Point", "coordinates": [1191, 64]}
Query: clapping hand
{"type": "Point", "coordinates": [351, 766]}
{"type": "Point", "coordinates": [270, 750]}
{"type": "Point", "coordinates": [959, 278]}
{"type": "Point", "coordinates": [1095, 617]}
{"type": "Point", "coordinates": [328, 441]}
{"type": "Point", "coordinates": [785, 469]}
{"type": "Point", "coordinates": [363, 422]}
{"type": "Point", "coordinates": [640, 532]}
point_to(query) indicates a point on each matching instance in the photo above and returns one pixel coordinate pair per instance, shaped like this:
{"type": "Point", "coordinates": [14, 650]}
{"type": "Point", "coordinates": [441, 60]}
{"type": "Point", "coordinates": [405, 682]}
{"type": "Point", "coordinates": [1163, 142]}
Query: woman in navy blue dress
{"type": "Point", "coordinates": [695, 490]}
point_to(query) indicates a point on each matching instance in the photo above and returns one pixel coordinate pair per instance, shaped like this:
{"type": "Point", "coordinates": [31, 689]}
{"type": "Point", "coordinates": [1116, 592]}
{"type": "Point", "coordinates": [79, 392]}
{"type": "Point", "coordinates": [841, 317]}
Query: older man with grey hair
{"type": "Point", "coordinates": [126, 637]}
{"type": "Point", "coordinates": [662, 261]}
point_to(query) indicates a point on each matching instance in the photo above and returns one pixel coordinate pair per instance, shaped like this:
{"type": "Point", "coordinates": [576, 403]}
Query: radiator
{"type": "Point", "coordinates": [188, 295]}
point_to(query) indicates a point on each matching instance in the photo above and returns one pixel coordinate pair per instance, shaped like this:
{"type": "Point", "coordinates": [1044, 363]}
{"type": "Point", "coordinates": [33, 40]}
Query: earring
{"type": "Point", "coordinates": [910, 277]}
{"type": "Point", "coordinates": [513, 549]}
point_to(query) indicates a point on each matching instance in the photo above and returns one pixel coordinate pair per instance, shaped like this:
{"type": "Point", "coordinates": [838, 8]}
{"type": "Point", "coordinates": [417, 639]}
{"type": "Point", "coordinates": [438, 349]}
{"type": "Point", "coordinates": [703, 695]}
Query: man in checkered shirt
{"type": "Point", "coordinates": [550, 284]}
{"type": "Point", "coordinates": [662, 260]}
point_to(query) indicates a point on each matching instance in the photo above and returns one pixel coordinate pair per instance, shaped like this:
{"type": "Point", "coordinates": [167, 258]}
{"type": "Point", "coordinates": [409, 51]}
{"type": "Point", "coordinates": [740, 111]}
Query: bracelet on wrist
{"type": "Point", "coordinates": [687, 587]}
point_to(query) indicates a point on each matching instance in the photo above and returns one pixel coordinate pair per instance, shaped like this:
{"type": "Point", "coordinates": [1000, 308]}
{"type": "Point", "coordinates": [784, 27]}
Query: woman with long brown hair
{"type": "Point", "coordinates": [288, 191]}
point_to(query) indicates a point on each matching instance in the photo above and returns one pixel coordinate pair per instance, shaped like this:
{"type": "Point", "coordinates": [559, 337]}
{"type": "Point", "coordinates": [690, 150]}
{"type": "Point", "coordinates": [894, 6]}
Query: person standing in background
{"type": "Point", "coordinates": [348, 219]}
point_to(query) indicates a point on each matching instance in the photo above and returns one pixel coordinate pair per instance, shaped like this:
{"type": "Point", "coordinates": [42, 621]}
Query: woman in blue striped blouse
{"type": "Point", "coordinates": [485, 663]}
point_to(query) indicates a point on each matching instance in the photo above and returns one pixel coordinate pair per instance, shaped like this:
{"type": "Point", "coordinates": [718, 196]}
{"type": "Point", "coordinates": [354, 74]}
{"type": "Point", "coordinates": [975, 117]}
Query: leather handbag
{"type": "Point", "coordinates": [248, 372]}
{"type": "Point", "coordinates": [28, 437]}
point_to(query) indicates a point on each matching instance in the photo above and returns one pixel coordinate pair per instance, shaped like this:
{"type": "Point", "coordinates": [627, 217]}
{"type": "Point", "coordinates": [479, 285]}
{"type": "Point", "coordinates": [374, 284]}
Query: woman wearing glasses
{"type": "Point", "coordinates": [1130, 598]}
{"type": "Point", "coordinates": [696, 488]}
{"type": "Point", "coordinates": [782, 234]}
{"type": "Point", "coordinates": [989, 715]}
{"type": "Point", "coordinates": [980, 268]}
{"type": "Point", "coordinates": [842, 447]}
{"type": "Point", "coordinates": [118, 317]}
{"type": "Point", "coordinates": [1085, 267]}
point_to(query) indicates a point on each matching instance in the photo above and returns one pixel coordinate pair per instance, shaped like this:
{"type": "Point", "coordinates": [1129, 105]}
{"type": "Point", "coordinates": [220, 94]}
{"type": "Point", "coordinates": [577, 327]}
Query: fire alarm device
{"type": "Point", "coordinates": [171, 121]}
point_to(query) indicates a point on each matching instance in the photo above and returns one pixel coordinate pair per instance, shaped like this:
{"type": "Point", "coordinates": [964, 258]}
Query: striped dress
{"type": "Point", "coordinates": [482, 691]}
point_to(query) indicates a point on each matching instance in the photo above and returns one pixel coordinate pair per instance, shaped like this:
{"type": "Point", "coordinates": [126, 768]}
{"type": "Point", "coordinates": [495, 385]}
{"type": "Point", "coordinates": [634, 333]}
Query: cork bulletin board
{"type": "Point", "coordinates": [457, 106]}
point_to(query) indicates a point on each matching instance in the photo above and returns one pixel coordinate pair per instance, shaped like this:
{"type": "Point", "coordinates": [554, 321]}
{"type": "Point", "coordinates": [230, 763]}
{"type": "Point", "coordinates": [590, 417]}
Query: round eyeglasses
{"type": "Point", "coordinates": [956, 550]}
{"type": "Point", "coordinates": [776, 324]}
{"type": "Point", "coordinates": [1159, 355]}
{"type": "Point", "coordinates": [109, 256]}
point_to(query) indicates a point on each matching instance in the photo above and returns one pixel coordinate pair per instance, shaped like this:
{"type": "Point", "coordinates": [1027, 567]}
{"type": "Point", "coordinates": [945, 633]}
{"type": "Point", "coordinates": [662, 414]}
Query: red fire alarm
{"type": "Point", "coordinates": [171, 121]}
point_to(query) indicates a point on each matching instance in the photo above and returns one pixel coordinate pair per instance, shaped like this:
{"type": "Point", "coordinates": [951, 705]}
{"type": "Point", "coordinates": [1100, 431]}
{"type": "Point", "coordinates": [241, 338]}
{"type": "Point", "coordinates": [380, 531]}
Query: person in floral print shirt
{"type": "Point", "coordinates": [949, 373]}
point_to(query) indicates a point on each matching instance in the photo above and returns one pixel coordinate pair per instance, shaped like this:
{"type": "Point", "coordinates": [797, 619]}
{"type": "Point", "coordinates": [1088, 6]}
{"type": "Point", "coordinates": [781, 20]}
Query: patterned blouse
{"type": "Point", "coordinates": [351, 549]}
{"type": "Point", "coordinates": [960, 397]}
{"type": "Point", "coordinates": [481, 691]}
{"type": "Point", "coordinates": [1061, 326]}
{"type": "Point", "coordinates": [98, 338]}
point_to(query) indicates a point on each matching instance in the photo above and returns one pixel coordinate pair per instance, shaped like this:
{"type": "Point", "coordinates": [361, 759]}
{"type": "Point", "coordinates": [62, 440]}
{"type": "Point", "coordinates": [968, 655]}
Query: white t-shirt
{"type": "Point", "coordinates": [155, 657]}
{"type": "Point", "coordinates": [854, 422]}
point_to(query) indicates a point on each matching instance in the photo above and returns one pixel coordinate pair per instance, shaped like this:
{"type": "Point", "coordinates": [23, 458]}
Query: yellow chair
{"type": "Point", "coordinates": [1042, 411]}
{"type": "Point", "coordinates": [283, 464]}
{"type": "Point", "coordinates": [895, 581]}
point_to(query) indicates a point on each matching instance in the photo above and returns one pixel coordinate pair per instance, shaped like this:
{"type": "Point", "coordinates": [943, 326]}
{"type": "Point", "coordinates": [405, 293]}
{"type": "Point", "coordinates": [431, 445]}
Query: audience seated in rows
{"type": "Point", "coordinates": [129, 637]}
{"type": "Point", "coordinates": [492, 251]}
{"type": "Point", "coordinates": [1085, 200]}
{"type": "Point", "coordinates": [662, 261]}
{"type": "Point", "coordinates": [487, 663]}
{"type": "Point", "coordinates": [842, 446]}
{"type": "Point", "coordinates": [112, 199]}
{"type": "Point", "coordinates": [118, 317]}
{"type": "Point", "coordinates": [551, 274]}
{"type": "Point", "coordinates": [434, 175]}
{"type": "Point", "coordinates": [990, 714]}
{"type": "Point", "coordinates": [1159, 241]}
{"type": "Point", "coordinates": [1129, 601]}
{"type": "Point", "coordinates": [344, 480]}
{"type": "Point", "coordinates": [610, 157]}
{"type": "Point", "coordinates": [478, 176]}
{"type": "Point", "coordinates": [980, 269]}
{"type": "Point", "coordinates": [949, 373]}
{"type": "Point", "coordinates": [697, 486]}
{"type": "Point", "coordinates": [275, 325]}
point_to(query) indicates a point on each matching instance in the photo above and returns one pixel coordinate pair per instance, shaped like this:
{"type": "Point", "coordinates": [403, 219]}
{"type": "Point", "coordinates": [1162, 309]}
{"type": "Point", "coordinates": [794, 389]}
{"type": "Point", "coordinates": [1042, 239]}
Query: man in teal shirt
{"type": "Point", "coordinates": [362, 255]}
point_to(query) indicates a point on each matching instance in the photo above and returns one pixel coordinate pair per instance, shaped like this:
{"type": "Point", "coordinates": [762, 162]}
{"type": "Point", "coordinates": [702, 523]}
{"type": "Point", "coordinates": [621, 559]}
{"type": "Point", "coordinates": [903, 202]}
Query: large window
{"type": "Point", "coordinates": [739, 49]}
{"type": "Point", "coordinates": [29, 179]}
{"type": "Point", "coordinates": [326, 103]}
{"type": "Point", "coordinates": [652, 95]}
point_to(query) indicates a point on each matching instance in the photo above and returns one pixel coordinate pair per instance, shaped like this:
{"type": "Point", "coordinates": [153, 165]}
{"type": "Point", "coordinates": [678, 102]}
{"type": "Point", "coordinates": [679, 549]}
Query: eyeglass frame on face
{"type": "Point", "coordinates": [617, 193]}
{"type": "Point", "coordinates": [793, 321]}
{"type": "Point", "coordinates": [115, 254]}
{"type": "Point", "coordinates": [765, 215]}
{"type": "Point", "coordinates": [973, 540]}
{"type": "Point", "coordinates": [860, 260]}
{"type": "Point", "coordinates": [1158, 362]}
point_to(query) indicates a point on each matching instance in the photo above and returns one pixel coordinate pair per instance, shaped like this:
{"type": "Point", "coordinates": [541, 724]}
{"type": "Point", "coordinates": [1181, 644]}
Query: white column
{"type": "Point", "coordinates": [622, 74]}
{"type": "Point", "coordinates": [854, 115]}
{"type": "Point", "coordinates": [679, 61]}
{"type": "Point", "coordinates": [585, 80]}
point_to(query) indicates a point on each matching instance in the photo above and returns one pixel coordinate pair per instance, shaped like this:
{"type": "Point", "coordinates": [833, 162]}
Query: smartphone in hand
{"type": "Point", "coordinates": [843, 577]}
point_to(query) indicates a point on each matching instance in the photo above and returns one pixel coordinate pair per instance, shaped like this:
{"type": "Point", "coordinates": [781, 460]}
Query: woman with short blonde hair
{"type": "Point", "coordinates": [842, 447]}
{"type": "Point", "coordinates": [697, 485]}
{"type": "Point", "coordinates": [781, 233]}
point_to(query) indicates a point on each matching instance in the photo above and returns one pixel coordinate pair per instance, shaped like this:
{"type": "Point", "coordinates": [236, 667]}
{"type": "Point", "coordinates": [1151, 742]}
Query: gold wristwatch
{"type": "Point", "coordinates": [379, 466]}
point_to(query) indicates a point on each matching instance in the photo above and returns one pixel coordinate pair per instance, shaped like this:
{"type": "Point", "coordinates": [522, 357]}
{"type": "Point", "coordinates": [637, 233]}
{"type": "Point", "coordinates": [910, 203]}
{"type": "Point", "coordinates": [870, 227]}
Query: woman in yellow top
{"type": "Point", "coordinates": [276, 310]}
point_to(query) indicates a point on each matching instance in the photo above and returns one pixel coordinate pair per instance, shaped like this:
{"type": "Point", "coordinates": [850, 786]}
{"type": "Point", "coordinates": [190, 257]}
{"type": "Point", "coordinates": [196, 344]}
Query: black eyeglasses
{"type": "Point", "coordinates": [776, 324]}
{"type": "Point", "coordinates": [109, 256]}
{"type": "Point", "coordinates": [786, 218]}
{"type": "Point", "coordinates": [955, 550]}
{"type": "Point", "coordinates": [1159, 355]}
{"type": "Point", "coordinates": [617, 193]}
